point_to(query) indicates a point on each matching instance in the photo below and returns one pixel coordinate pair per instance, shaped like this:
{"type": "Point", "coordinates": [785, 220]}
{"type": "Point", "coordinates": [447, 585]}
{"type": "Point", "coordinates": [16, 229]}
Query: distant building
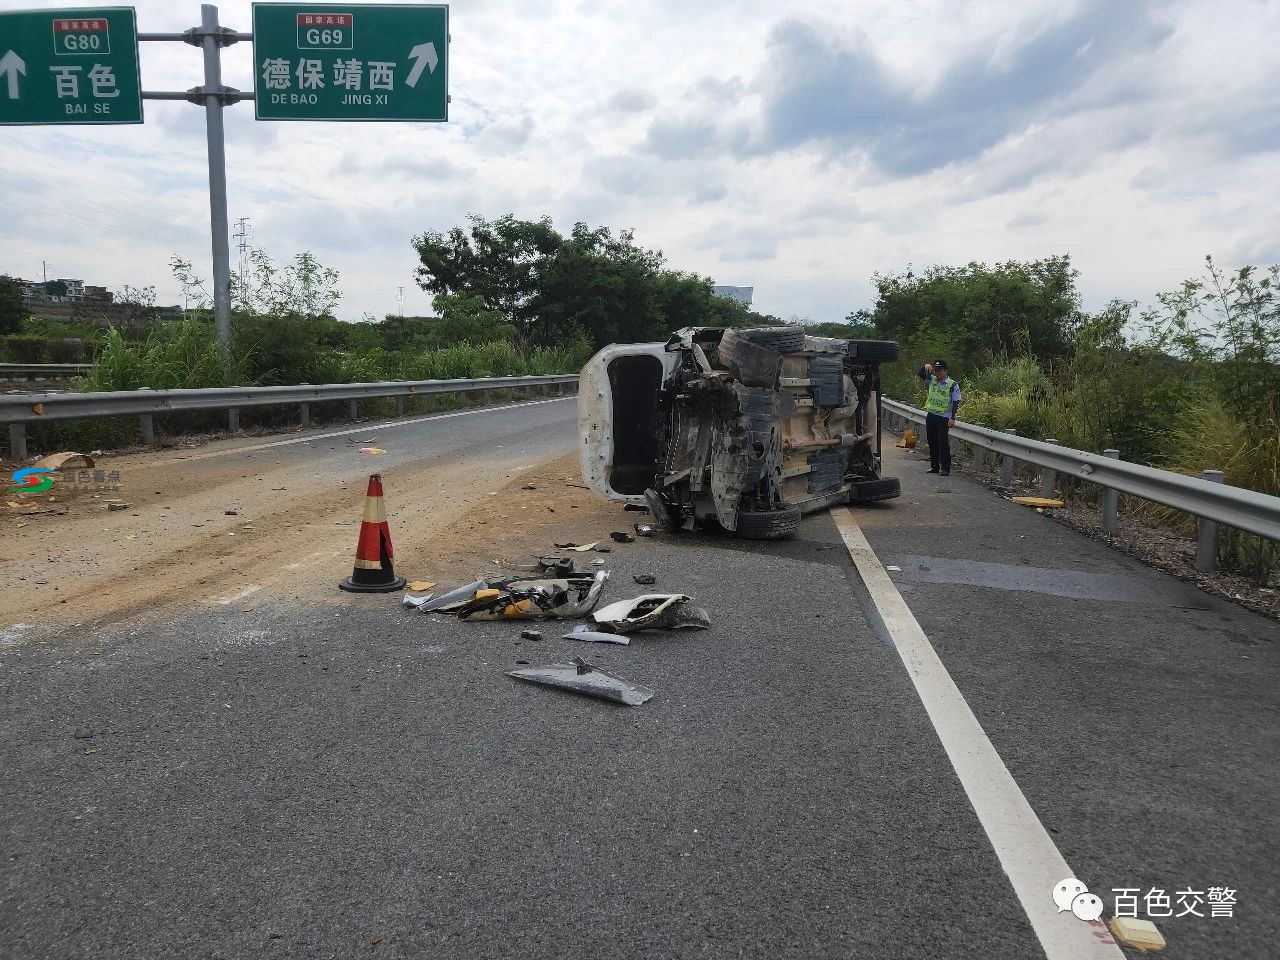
{"type": "Point", "coordinates": [64, 290]}
{"type": "Point", "coordinates": [741, 294]}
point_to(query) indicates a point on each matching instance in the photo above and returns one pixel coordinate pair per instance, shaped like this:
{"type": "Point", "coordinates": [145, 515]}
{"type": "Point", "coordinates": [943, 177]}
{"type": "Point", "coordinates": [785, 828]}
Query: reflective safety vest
{"type": "Point", "coordinates": [939, 399]}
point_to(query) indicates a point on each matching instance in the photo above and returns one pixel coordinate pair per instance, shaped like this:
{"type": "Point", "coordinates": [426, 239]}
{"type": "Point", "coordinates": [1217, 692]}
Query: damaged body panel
{"type": "Point", "coordinates": [745, 428]}
{"type": "Point", "coordinates": [580, 676]}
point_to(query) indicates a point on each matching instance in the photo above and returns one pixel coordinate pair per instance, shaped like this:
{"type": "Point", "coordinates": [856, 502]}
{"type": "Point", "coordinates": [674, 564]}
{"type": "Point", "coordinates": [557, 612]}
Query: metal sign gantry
{"type": "Point", "coordinates": [355, 62]}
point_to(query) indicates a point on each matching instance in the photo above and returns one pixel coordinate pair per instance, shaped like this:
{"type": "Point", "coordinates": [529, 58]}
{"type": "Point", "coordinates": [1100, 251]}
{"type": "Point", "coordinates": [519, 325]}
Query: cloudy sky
{"type": "Point", "coordinates": [797, 146]}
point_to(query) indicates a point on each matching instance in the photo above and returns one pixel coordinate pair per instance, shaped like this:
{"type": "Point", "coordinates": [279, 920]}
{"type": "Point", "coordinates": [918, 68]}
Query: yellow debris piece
{"type": "Point", "coordinates": [1038, 502]}
{"type": "Point", "coordinates": [1133, 932]}
{"type": "Point", "coordinates": [419, 585]}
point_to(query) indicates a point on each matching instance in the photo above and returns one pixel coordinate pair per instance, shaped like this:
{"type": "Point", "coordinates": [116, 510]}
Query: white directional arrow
{"type": "Point", "coordinates": [423, 55]}
{"type": "Point", "coordinates": [14, 66]}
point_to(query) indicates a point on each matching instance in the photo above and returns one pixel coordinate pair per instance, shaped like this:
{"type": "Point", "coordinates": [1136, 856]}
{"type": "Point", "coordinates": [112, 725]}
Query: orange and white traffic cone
{"type": "Point", "coordinates": [374, 572]}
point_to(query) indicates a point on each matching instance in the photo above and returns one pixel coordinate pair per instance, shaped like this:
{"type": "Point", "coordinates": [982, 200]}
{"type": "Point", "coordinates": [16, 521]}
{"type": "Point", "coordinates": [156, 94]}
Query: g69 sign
{"type": "Point", "coordinates": [323, 61]}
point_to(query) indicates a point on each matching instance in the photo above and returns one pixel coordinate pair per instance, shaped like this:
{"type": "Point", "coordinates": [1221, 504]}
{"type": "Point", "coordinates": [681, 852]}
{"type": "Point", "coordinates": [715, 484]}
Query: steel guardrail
{"type": "Point", "coordinates": [1236, 507]}
{"type": "Point", "coordinates": [20, 408]}
{"type": "Point", "coordinates": [11, 371]}
{"type": "Point", "coordinates": [38, 406]}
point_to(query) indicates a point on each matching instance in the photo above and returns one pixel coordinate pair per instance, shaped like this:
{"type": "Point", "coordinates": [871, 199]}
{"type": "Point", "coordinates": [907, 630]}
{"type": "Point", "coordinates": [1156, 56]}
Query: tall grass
{"type": "Point", "coordinates": [181, 355]}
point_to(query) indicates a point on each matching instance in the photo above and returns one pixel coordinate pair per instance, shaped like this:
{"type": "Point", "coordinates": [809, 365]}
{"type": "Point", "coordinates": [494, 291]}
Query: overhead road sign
{"type": "Point", "coordinates": [69, 66]}
{"type": "Point", "coordinates": [351, 61]}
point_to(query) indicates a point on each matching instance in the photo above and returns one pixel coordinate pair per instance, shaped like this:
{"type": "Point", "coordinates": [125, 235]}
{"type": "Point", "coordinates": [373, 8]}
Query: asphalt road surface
{"type": "Point", "coordinates": [210, 752]}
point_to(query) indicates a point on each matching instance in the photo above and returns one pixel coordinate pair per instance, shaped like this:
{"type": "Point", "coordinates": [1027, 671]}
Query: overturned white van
{"type": "Point", "coordinates": [747, 428]}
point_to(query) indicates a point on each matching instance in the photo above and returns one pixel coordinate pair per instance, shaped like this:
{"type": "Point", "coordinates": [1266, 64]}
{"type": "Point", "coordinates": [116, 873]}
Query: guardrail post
{"type": "Point", "coordinates": [304, 414]}
{"type": "Point", "coordinates": [353, 409]}
{"type": "Point", "coordinates": [147, 426]}
{"type": "Point", "coordinates": [979, 459]}
{"type": "Point", "coordinates": [1110, 501]}
{"type": "Point", "coordinates": [233, 419]}
{"type": "Point", "coordinates": [1207, 534]}
{"type": "Point", "coordinates": [1049, 476]}
{"type": "Point", "coordinates": [18, 441]}
{"type": "Point", "coordinates": [1006, 464]}
{"type": "Point", "coordinates": [399, 406]}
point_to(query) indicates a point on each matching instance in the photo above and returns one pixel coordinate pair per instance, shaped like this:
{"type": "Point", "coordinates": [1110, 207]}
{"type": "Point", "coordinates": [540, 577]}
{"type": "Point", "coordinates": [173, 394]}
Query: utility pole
{"type": "Point", "coordinates": [241, 236]}
{"type": "Point", "coordinates": [44, 268]}
{"type": "Point", "coordinates": [401, 298]}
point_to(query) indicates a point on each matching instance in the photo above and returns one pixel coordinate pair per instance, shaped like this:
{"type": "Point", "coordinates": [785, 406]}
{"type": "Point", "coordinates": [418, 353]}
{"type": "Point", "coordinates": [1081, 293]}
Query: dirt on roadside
{"type": "Point", "coordinates": [220, 541]}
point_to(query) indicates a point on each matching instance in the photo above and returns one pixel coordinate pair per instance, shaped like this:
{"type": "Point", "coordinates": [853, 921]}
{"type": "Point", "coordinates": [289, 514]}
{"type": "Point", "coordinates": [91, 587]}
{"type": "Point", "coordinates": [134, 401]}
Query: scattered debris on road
{"type": "Point", "coordinates": [1044, 502]}
{"type": "Point", "coordinates": [584, 632]}
{"type": "Point", "coordinates": [111, 507]}
{"type": "Point", "coordinates": [576, 547]}
{"type": "Point", "coordinates": [1134, 932]}
{"type": "Point", "coordinates": [644, 530]}
{"type": "Point", "coordinates": [579, 676]}
{"type": "Point", "coordinates": [419, 586]}
{"type": "Point", "coordinates": [645, 579]}
{"type": "Point", "coordinates": [622, 537]}
{"type": "Point", "coordinates": [530, 634]}
{"type": "Point", "coordinates": [536, 599]}
{"type": "Point", "coordinates": [653, 611]}
{"type": "Point", "coordinates": [56, 461]}
{"type": "Point", "coordinates": [372, 451]}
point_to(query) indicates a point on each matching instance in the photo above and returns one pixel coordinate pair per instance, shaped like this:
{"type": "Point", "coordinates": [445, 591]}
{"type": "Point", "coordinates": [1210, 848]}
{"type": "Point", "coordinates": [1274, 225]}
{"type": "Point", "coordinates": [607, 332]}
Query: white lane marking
{"type": "Point", "coordinates": [387, 425]}
{"type": "Point", "coordinates": [1026, 851]}
{"type": "Point", "coordinates": [239, 596]}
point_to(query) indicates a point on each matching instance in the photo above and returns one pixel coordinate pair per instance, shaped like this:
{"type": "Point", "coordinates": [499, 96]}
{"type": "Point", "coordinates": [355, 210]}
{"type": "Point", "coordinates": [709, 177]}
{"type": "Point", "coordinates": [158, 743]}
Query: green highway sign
{"type": "Point", "coordinates": [351, 61]}
{"type": "Point", "coordinates": [69, 66]}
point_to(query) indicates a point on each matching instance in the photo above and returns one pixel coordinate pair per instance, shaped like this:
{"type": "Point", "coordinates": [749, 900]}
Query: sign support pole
{"type": "Point", "coordinates": [210, 37]}
{"type": "Point", "coordinates": [211, 41]}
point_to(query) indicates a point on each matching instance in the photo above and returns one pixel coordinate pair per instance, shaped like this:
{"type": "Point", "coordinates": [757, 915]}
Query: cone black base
{"type": "Point", "coordinates": [351, 586]}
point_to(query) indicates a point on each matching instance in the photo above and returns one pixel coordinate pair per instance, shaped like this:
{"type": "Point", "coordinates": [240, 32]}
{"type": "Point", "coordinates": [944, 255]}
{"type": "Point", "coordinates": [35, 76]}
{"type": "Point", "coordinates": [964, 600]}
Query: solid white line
{"type": "Point", "coordinates": [386, 425]}
{"type": "Point", "coordinates": [1026, 851]}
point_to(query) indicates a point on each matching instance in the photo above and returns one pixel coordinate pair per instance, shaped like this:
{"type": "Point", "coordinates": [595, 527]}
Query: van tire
{"type": "Point", "coordinates": [873, 491]}
{"type": "Point", "coordinates": [778, 524]}
{"type": "Point", "coordinates": [782, 339]}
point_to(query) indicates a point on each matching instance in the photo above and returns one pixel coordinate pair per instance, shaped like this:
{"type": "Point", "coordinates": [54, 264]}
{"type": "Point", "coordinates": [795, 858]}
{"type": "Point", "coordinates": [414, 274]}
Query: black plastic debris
{"type": "Point", "coordinates": [645, 579]}
{"type": "Point", "coordinates": [599, 549]}
{"type": "Point", "coordinates": [585, 678]}
{"type": "Point", "coordinates": [559, 566]}
{"type": "Point", "coordinates": [636, 508]}
{"type": "Point", "coordinates": [530, 634]}
{"type": "Point", "coordinates": [622, 537]}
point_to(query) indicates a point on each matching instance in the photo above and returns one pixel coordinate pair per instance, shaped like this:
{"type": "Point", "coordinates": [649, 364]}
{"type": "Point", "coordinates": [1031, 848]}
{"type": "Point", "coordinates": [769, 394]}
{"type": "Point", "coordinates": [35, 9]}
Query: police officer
{"type": "Point", "coordinates": [940, 414]}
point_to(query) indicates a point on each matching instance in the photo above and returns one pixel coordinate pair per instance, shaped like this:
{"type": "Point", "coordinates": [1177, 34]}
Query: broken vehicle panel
{"type": "Point", "coordinates": [585, 678]}
{"type": "Point", "coordinates": [536, 599]}
{"type": "Point", "coordinates": [746, 428]}
{"type": "Point", "coordinates": [653, 611]}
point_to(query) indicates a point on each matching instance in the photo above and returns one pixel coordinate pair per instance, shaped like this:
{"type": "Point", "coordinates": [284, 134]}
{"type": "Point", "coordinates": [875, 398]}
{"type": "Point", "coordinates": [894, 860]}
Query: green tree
{"type": "Point", "coordinates": [1010, 309]}
{"type": "Point", "coordinates": [13, 307]}
{"type": "Point", "coordinates": [498, 261]}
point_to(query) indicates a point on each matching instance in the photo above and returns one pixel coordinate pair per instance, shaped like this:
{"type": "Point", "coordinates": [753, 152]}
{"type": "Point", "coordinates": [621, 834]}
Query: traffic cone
{"type": "Point", "coordinates": [373, 572]}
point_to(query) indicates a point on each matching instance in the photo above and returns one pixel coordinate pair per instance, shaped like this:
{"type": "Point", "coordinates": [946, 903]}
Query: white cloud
{"type": "Point", "coordinates": [797, 148]}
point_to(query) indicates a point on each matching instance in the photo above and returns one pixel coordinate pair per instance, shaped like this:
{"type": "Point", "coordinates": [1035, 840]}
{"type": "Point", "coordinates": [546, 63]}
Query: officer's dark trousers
{"type": "Point", "coordinates": [937, 430]}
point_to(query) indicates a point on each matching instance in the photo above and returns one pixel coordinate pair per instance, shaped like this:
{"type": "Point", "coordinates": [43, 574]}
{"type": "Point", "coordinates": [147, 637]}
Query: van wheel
{"type": "Point", "coordinates": [873, 491]}
{"type": "Point", "coordinates": [777, 524]}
